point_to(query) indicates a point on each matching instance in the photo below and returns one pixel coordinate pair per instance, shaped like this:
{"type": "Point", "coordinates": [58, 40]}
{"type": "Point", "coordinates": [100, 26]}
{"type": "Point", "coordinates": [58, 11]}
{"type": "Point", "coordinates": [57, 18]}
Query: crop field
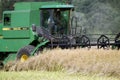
{"type": "Point", "coordinates": [45, 75]}
{"type": "Point", "coordinates": [66, 64]}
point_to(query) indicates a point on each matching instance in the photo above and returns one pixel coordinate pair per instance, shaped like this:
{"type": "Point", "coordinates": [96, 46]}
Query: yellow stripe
{"type": "Point", "coordinates": [1, 37]}
{"type": "Point", "coordinates": [19, 28]}
{"type": "Point", "coordinates": [5, 29]}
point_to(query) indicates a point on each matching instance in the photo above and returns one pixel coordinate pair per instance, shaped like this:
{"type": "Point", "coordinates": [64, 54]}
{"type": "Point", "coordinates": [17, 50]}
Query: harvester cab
{"type": "Point", "coordinates": [56, 19]}
{"type": "Point", "coordinates": [55, 25]}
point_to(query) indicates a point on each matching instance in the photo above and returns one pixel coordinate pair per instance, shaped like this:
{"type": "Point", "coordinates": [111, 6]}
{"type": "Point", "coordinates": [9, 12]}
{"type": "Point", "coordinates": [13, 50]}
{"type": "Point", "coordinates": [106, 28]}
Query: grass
{"type": "Point", "coordinates": [84, 61]}
{"type": "Point", "coordinates": [43, 75]}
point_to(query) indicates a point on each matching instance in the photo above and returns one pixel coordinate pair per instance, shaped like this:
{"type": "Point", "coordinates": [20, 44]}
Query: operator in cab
{"type": "Point", "coordinates": [55, 22]}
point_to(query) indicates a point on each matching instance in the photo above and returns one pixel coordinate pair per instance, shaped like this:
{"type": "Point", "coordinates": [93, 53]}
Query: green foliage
{"type": "Point", "coordinates": [100, 16]}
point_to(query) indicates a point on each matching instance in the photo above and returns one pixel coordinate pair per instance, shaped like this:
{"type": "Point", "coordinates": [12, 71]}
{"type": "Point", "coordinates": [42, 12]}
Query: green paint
{"type": "Point", "coordinates": [12, 34]}
{"type": "Point", "coordinates": [13, 45]}
{"type": "Point", "coordinates": [38, 46]}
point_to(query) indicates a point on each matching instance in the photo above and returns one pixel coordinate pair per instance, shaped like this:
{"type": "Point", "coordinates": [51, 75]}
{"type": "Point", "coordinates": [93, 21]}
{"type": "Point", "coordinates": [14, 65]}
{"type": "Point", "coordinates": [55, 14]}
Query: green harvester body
{"type": "Point", "coordinates": [16, 27]}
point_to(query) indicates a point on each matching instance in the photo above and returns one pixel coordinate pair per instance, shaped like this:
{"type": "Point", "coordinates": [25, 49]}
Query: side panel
{"type": "Point", "coordinates": [20, 34]}
{"type": "Point", "coordinates": [12, 45]}
{"type": "Point", "coordinates": [19, 25]}
{"type": "Point", "coordinates": [22, 6]}
{"type": "Point", "coordinates": [20, 19]}
{"type": "Point", "coordinates": [35, 17]}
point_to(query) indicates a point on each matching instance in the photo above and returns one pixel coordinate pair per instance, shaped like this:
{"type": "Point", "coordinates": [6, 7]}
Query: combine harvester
{"type": "Point", "coordinates": [33, 26]}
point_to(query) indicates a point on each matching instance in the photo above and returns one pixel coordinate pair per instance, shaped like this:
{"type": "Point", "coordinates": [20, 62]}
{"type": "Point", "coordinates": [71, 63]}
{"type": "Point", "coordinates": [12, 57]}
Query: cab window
{"type": "Point", "coordinates": [7, 19]}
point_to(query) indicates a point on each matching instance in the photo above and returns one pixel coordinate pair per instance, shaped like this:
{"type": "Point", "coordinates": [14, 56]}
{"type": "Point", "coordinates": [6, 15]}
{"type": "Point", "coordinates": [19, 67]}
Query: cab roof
{"type": "Point", "coordinates": [57, 6]}
{"type": "Point", "coordinates": [39, 5]}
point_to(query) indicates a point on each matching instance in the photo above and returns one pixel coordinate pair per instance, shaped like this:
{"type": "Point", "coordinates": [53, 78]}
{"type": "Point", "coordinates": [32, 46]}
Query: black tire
{"type": "Point", "coordinates": [25, 51]}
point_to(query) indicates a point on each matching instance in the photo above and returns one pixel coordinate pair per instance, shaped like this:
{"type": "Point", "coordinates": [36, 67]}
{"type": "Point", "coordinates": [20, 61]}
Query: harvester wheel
{"type": "Point", "coordinates": [24, 53]}
{"type": "Point", "coordinates": [103, 42]}
{"type": "Point", "coordinates": [117, 41]}
{"type": "Point", "coordinates": [85, 41]}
